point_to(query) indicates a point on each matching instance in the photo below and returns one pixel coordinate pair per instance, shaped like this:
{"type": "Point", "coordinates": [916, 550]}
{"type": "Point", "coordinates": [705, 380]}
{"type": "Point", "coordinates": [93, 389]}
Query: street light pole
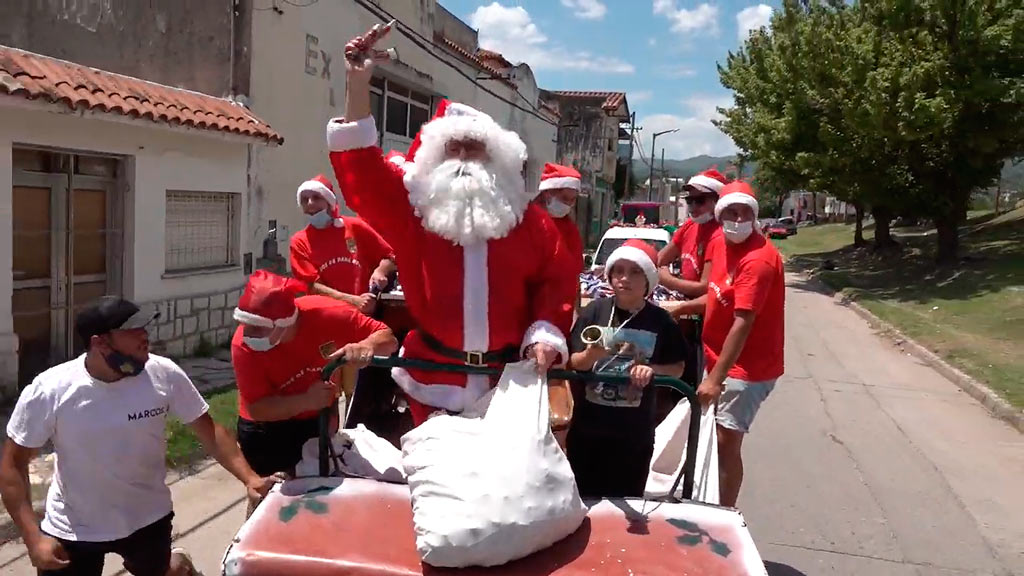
{"type": "Point", "coordinates": [650, 182]}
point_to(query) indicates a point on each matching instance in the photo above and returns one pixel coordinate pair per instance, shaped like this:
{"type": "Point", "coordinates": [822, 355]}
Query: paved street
{"type": "Point", "coordinates": [862, 462]}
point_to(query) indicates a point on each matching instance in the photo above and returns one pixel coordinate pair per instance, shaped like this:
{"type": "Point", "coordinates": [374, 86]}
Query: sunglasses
{"type": "Point", "coordinates": [696, 200]}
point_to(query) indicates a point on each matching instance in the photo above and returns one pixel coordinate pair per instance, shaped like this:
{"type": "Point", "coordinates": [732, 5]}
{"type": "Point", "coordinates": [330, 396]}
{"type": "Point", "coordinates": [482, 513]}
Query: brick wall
{"type": "Point", "coordinates": [185, 322]}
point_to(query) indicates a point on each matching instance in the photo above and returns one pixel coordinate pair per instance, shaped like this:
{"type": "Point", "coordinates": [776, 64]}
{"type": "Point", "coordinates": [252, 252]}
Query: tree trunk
{"type": "Point", "coordinates": [948, 239]}
{"type": "Point", "coordinates": [858, 231]}
{"type": "Point", "coordinates": [883, 236]}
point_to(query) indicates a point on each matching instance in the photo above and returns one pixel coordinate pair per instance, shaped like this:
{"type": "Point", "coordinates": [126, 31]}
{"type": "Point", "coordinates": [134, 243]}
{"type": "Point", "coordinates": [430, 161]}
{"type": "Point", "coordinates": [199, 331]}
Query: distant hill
{"type": "Point", "coordinates": [689, 167]}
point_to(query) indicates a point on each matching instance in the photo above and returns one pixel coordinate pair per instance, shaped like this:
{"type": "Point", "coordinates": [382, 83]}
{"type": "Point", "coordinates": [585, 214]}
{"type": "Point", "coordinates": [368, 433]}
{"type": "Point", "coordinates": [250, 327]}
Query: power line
{"type": "Point", "coordinates": [414, 37]}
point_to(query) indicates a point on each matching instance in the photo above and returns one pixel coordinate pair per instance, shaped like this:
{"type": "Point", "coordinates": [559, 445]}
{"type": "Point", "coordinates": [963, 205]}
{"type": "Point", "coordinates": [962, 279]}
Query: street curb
{"type": "Point", "coordinates": [992, 402]}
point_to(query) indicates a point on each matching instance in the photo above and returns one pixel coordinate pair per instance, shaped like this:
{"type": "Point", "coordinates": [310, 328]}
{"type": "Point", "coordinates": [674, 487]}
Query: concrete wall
{"type": "Point", "coordinates": [157, 159]}
{"type": "Point", "coordinates": [298, 84]}
{"type": "Point", "coordinates": [184, 43]}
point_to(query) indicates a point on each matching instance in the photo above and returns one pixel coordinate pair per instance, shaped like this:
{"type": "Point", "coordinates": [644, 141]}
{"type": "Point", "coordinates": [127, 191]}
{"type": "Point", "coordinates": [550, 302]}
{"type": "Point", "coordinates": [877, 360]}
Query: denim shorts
{"type": "Point", "coordinates": [740, 401]}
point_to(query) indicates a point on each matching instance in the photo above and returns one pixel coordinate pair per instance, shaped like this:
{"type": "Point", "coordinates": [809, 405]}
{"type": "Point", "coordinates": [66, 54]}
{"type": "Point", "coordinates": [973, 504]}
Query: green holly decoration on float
{"type": "Point", "coordinates": [695, 535]}
{"type": "Point", "coordinates": [310, 501]}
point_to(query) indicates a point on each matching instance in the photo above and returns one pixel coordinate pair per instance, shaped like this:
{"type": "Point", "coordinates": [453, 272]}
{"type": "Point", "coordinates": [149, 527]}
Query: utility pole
{"type": "Point", "coordinates": [662, 182]}
{"type": "Point", "coordinates": [629, 167]}
{"type": "Point", "coordinates": [650, 181]}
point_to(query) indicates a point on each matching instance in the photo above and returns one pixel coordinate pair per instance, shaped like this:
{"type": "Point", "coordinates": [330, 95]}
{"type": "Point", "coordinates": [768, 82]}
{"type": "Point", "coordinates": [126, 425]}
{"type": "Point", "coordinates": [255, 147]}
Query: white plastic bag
{"type": "Point", "coordinates": [670, 454]}
{"type": "Point", "coordinates": [488, 490]}
{"type": "Point", "coordinates": [360, 453]}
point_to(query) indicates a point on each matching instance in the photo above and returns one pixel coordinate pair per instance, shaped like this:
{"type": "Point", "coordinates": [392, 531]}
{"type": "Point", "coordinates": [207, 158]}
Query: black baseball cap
{"type": "Point", "coordinates": [111, 313]}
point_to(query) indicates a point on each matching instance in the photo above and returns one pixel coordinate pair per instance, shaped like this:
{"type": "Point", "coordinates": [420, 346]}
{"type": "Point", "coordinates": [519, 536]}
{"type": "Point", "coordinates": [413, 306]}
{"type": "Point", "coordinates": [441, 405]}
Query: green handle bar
{"type": "Point", "coordinates": [690, 392]}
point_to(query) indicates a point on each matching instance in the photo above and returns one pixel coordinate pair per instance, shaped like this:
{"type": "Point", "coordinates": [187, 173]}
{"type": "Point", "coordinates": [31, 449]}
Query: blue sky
{"type": "Point", "coordinates": [662, 53]}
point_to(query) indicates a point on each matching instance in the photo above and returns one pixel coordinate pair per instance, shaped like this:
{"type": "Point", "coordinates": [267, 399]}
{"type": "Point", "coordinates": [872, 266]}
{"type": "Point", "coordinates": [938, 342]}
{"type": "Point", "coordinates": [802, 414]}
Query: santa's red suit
{"type": "Point", "coordinates": [495, 282]}
{"type": "Point", "coordinates": [554, 177]}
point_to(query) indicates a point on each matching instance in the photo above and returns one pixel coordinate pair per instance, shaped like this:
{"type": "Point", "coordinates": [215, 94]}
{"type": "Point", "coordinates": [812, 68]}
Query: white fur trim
{"type": "Point", "coordinates": [475, 288]}
{"type": "Point", "coordinates": [342, 135]}
{"type": "Point", "coordinates": [319, 188]}
{"type": "Point", "coordinates": [703, 181]}
{"type": "Point", "coordinates": [397, 160]}
{"type": "Point", "coordinates": [544, 332]}
{"type": "Point", "coordinates": [447, 396]}
{"type": "Point", "coordinates": [638, 257]}
{"type": "Point", "coordinates": [256, 320]}
{"type": "Point", "coordinates": [735, 198]}
{"type": "Point", "coordinates": [561, 182]}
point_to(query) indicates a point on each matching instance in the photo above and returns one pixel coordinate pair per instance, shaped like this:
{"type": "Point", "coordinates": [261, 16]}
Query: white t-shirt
{"type": "Point", "coordinates": [110, 474]}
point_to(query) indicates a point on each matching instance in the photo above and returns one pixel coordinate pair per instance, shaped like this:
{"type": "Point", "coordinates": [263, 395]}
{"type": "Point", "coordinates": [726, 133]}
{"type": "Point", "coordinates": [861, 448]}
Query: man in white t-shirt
{"type": "Point", "coordinates": [106, 413]}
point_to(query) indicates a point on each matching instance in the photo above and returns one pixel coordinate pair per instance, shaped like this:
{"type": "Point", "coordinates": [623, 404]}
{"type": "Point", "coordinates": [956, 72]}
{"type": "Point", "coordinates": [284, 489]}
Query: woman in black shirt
{"type": "Point", "coordinates": [611, 438]}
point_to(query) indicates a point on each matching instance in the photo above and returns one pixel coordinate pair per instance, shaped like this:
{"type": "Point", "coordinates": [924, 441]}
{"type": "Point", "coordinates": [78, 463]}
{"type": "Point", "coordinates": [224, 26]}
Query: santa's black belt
{"type": "Point", "coordinates": [505, 355]}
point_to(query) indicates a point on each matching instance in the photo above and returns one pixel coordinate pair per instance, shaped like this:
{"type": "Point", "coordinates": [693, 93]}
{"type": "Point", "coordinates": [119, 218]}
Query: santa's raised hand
{"type": "Point", "coordinates": [361, 54]}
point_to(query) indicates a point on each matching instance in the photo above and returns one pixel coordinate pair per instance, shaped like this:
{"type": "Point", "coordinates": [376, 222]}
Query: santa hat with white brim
{"type": "Point", "coordinates": [733, 193]}
{"type": "Point", "coordinates": [707, 182]}
{"type": "Point", "coordinates": [268, 301]}
{"type": "Point", "coordinates": [557, 176]}
{"type": "Point", "coordinates": [640, 253]}
{"type": "Point", "coordinates": [320, 185]}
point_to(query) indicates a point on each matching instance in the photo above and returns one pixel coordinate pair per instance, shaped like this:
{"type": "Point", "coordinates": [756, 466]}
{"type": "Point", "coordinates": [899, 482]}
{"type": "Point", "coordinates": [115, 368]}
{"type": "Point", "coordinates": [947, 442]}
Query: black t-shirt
{"type": "Point", "coordinates": [651, 337]}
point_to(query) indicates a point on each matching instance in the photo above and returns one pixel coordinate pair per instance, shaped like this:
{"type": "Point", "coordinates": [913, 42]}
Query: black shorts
{"type": "Point", "coordinates": [609, 466]}
{"type": "Point", "coordinates": [271, 447]}
{"type": "Point", "coordinates": [146, 552]}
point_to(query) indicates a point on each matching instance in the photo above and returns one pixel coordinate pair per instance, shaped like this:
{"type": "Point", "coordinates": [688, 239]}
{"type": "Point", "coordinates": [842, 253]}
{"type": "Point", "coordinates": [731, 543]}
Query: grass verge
{"type": "Point", "coordinates": [971, 314]}
{"type": "Point", "coordinates": [183, 447]}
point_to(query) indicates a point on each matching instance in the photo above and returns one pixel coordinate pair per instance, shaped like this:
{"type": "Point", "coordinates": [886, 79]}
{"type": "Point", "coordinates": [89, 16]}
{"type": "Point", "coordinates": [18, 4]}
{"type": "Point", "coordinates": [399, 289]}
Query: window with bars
{"type": "Point", "coordinates": [202, 230]}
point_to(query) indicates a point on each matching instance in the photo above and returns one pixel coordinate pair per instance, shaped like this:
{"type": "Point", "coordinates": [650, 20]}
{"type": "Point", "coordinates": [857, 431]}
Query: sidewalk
{"type": "Point", "coordinates": [208, 374]}
{"type": "Point", "coordinates": [211, 502]}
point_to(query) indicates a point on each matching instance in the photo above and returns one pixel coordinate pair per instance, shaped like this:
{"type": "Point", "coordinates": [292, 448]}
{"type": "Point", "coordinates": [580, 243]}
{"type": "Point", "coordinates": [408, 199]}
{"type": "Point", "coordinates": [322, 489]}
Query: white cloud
{"type": "Point", "coordinates": [703, 18]}
{"type": "Point", "coordinates": [586, 9]}
{"type": "Point", "coordinates": [677, 71]}
{"type": "Point", "coordinates": [511, 31]}
{"type": "Point", "coordinates": [652, 41]}
{"type": "Point", "coordinates": [639, 96]}
{"type": "Point", "coordinates": [752, 18]}
{"type": "Point", "coordinates": [696, 135]}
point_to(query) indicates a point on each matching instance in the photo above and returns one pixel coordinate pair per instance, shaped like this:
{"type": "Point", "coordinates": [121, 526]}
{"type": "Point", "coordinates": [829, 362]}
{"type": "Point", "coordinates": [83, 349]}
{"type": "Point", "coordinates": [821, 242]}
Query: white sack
{"type": "Point", "coordinates": [670, 454]}
{"type": "Point", "coordinates": [360, 453]}
{"type": "Point", "coordinates": [488, 490]}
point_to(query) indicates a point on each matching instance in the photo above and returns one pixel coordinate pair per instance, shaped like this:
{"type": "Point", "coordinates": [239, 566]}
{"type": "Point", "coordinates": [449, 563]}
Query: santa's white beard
{"type": "Point", "coordinates": [468, 201]}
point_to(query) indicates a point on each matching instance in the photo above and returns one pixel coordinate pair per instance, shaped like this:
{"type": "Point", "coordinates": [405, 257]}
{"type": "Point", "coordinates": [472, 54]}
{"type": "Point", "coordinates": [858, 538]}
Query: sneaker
{"type": "Point", "coordinates": [192, 571]}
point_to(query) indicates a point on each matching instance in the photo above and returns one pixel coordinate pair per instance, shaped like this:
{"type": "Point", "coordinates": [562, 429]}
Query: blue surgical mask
{"type": "Point", "coordinates": [320, 220]}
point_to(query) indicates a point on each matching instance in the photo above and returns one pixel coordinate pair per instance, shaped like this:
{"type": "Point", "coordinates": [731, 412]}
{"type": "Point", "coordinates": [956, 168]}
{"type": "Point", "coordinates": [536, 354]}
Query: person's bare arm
{"type": "Point", "coordinates": [689, 288]}
{"type": "Point", "coordinates": [584, 361]}
{"type": "Point", "coordinates": [220, 444]}
{"type": "Point", "coordinates": [742, 324]}
{"type": "Point", "coordinates": [668, 254]}
{"type": "Point", "coordinates": [45, 552]}
{"type": "Point", "coordinates": [281, 407]}
{"type": "Point", "coordinates": [365, 302]}
{"type": "Point", "coordinates": [686, 307]}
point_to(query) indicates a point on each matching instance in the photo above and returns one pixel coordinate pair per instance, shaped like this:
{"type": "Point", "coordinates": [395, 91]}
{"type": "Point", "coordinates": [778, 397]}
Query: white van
{"type": "Point", "coordinates": [617, 236]}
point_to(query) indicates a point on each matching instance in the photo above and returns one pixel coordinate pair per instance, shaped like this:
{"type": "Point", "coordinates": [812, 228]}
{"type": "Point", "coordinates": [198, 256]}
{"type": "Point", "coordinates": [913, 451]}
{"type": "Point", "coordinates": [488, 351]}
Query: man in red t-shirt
{"type": "Point", "coordinates": [338, 256]}
{"type": "Point", "coordinates": [278, 350]}
{"type": "Point", "coordinates": [689, 243]}
{"type": "Point", "coordinates": [743, 328]}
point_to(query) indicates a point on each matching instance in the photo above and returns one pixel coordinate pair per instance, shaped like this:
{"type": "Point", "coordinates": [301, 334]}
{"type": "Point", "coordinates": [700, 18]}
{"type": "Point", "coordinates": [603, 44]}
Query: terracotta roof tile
{"type": "Point", "coordinates": [492, 56]}
{"type": "Point", "coordinates": [612, 100]}
{"type": "Point", "coordinates": [473, 58]}
{"type": "Point", "coordinates": [35, 76]}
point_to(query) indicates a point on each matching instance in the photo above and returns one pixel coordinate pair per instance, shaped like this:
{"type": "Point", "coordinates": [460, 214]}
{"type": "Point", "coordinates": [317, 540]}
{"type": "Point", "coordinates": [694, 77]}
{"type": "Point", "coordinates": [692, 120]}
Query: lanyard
{"type": "Point", "coordinates": [611, 317]}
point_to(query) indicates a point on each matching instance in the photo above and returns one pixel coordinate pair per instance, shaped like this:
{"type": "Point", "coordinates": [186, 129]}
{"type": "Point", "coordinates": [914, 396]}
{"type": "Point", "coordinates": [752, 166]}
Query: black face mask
{"type": "Point", "coordinates": [124, 364]}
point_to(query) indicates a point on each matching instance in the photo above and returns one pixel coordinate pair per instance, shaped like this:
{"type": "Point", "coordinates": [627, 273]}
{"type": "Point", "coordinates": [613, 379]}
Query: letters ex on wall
{"type": "Point", "coordinates": [318, 62]}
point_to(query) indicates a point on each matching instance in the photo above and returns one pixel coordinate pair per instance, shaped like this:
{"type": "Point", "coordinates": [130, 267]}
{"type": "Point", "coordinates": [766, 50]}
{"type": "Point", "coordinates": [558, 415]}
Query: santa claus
{"type": "Point", "coordinates": [483, 269]}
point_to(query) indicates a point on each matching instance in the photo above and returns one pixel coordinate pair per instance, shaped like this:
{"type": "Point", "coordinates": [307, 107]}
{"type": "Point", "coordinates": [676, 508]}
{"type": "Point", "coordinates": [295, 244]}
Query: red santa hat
{"type": "Point", "coordinates": [736, 192]}
{"type": "Point", "coordinates": [707, 182]}
{"type": "Point", "coordinates": [455, 121]}
{"type": "Point", "coordinates": [640, 253]}
{"type": "Point", "coordinates": [269, 300]}
{"type": "Point", "coordinates": [320, 185]}
{"type": "Point", "coordinates": [558, 176]}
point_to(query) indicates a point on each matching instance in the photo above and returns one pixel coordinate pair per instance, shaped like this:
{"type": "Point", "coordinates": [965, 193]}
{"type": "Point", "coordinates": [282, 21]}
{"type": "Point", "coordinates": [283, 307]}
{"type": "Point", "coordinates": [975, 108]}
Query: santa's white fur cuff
{"type": "Point", "coordinates": [342, 135]}
{"type": "Point", "coordinates": [543, 332]}
{"type": "Point", "coordinates": [560, 182]}
{"type": "Point", "coordinates": [735, 198]}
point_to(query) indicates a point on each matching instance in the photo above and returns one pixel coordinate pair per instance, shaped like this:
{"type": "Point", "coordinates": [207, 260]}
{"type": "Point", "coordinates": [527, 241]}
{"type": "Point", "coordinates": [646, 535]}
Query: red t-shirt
{"type": "Point", "coordinates": [573, 242]}
{"type": "Point", "coordinates": [290, 368]}
{"type": "Point", "coordinates": [341, 258]}
{"type": "Point", "coordinates": [747, 276]}
{"type": "Point", "coordinates": [692, 239]}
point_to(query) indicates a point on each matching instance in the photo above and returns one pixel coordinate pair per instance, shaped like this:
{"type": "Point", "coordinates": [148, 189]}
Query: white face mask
{"type": "Point", "coordinates": [557, 208]}
{"type": "Point", "coordinates": [703, 218]}
{"type": "Point", "coordinates": [258, 344]}
{"type": "Point", "coordinates": [737, 232]}
{"type": "Point", "coordinates": [319, 220]}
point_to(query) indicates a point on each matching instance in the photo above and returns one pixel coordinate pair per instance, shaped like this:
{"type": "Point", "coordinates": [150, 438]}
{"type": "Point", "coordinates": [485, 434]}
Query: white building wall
{"type": "Point", "coordinates": [157, 159]}
{"type": "Point", "coordinates": [299, 104]}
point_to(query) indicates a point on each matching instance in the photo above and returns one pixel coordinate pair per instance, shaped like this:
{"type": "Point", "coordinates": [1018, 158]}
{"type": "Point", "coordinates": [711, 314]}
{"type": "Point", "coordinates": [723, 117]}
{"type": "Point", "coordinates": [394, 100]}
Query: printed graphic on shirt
{"type": "Point", "coordinates": [327, 348]}
{"type": "Point", "coordinates": [720, 293]}
{"type": "Point", "coordinates": [351, 244]}
{"type": "Point", "coordinates": [150, 413]}
{"type": "Point", "coordinates": [628, 347]}
{"type": "Point", "coordinates": [338, 260]}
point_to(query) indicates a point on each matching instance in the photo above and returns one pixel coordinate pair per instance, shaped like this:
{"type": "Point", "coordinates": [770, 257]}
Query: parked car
{"type": "Point", "coordinates": [788, 224]}
{"type": "Point", "coordinates": [658, 238]}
